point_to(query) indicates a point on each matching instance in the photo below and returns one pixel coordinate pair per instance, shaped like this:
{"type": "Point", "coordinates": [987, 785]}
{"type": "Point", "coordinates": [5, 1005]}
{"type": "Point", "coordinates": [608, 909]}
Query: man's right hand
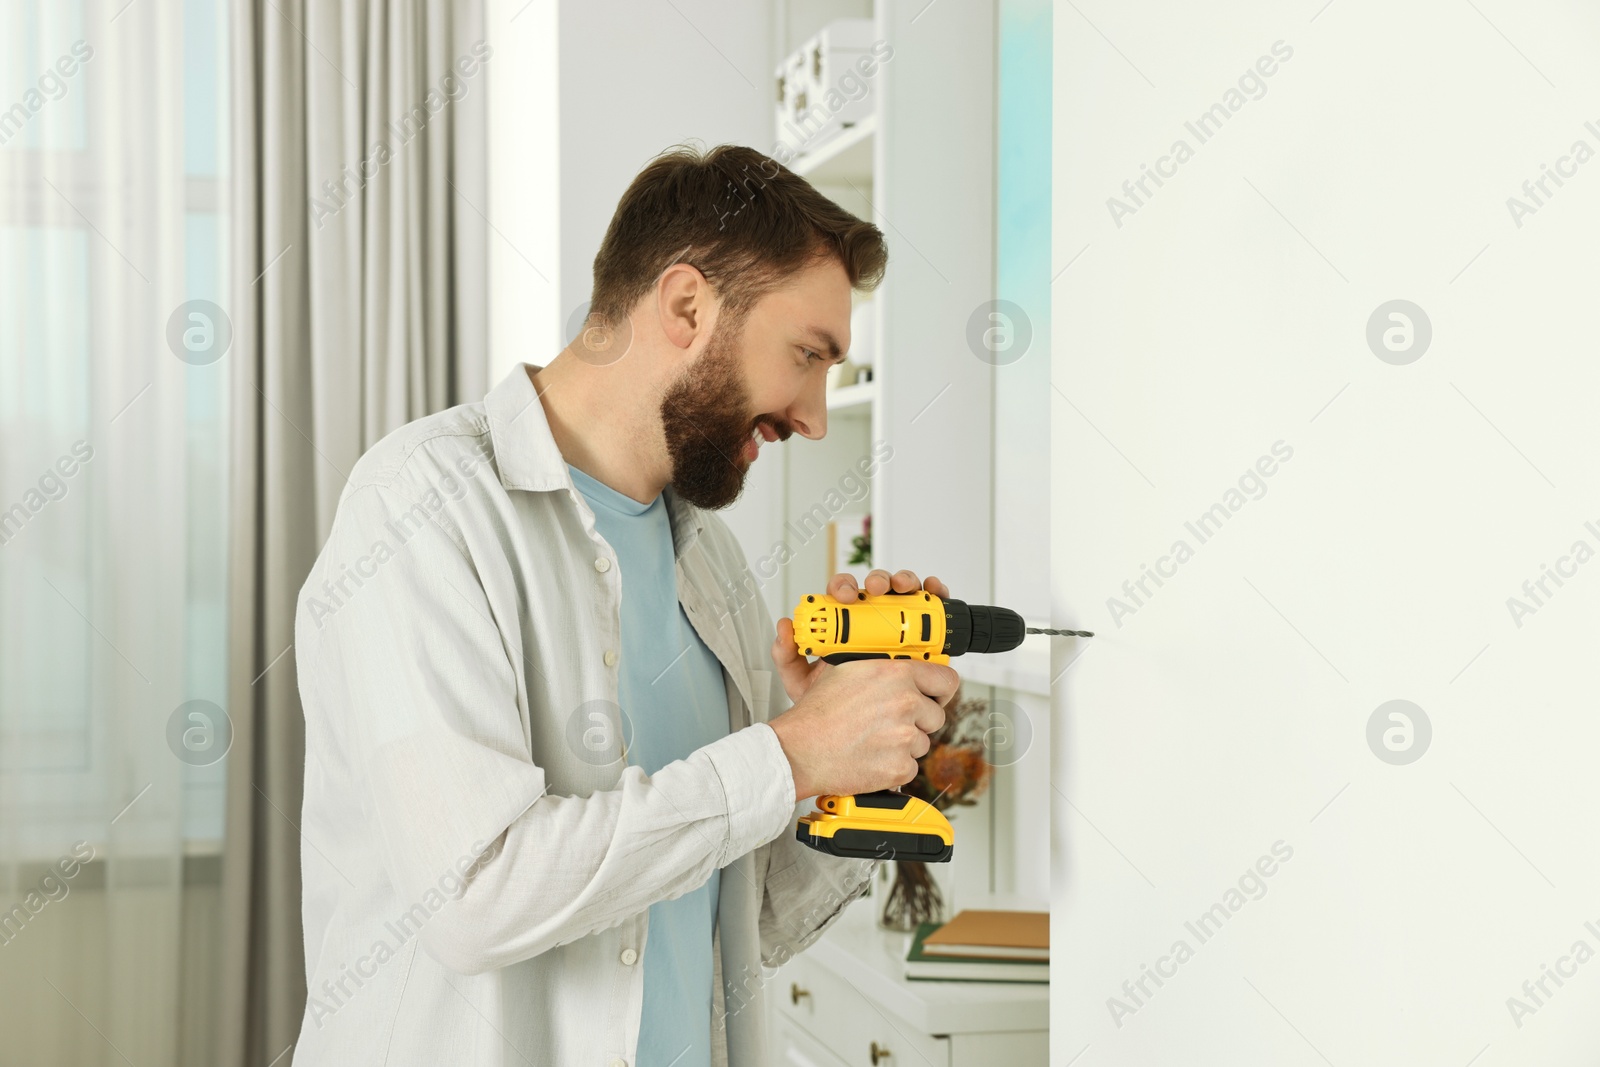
{"type": "Point", "coordinates": [863, 725]}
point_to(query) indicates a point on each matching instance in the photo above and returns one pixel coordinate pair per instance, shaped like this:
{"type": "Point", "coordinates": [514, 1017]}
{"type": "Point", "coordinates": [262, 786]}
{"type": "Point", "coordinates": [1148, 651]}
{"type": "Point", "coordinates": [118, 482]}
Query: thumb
{"type": "Point", "coordinates": [793, 668]}
{"type": "Point", "coordinates": [785, 656]}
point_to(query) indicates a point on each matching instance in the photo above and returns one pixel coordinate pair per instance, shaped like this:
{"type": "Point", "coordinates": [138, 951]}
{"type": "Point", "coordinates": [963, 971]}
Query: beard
{"type": "Point", "coordinates": [704, 417]}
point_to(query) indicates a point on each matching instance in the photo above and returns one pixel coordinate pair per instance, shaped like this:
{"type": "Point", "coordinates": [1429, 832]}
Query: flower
{"type": "Point", "coordinates": [956, 771]}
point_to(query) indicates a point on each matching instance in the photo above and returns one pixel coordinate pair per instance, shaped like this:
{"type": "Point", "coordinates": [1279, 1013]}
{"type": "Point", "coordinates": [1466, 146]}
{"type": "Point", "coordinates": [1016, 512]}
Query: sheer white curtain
{"type": "Point", "coordinates": [112, 149]}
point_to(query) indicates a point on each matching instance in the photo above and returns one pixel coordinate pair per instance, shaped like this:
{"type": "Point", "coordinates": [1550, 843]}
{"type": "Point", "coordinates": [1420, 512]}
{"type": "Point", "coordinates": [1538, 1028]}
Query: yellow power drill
{"type": "Point", "coordinates": [888, 824]}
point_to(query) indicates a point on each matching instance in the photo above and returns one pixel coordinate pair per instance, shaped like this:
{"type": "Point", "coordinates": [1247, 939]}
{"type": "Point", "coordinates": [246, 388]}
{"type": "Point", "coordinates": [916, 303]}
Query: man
{"type": "Point", "coordinates": [549, 802]}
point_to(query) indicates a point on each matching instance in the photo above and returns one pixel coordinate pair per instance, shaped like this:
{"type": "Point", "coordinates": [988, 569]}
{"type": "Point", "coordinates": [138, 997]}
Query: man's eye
{"type": "Point", "coordinates": [812, 355]}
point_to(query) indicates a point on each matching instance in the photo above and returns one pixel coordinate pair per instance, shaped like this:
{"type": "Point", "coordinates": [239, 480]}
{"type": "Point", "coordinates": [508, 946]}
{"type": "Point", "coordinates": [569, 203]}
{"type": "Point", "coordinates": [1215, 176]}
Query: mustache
{"type": "Point", "coordinates": [782, 427]}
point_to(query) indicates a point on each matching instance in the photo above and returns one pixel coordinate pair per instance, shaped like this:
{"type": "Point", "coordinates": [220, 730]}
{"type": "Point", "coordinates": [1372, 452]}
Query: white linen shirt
{"type": "Point", "coordinates": [477, 864]}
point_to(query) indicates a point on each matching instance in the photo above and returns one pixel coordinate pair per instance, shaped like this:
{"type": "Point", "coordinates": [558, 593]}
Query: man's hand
{"type": "Point", "coordinates": [797, 672]}
{"type": "Point", "coordinates": [863, 725]}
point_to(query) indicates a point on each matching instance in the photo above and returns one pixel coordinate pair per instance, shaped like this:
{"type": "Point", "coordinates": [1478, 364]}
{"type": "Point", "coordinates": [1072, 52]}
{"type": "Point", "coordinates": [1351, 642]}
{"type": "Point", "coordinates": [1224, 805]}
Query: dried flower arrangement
{"type": "Point", "coordinates": [955, 772]}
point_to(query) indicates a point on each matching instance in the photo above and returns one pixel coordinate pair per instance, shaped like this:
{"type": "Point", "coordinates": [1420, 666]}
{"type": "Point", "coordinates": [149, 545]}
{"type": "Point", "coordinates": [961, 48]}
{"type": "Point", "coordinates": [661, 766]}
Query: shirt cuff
{"type": "Point", "coordinates": [757, 788]}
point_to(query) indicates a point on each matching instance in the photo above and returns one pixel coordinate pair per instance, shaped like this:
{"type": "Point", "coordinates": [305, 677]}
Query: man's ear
{"type": "Point", "coordinates": [684, 303]}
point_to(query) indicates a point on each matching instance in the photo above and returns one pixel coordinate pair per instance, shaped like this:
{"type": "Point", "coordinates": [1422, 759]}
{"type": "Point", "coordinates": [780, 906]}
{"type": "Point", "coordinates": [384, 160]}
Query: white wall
{"type": "Point", "coordinates": [524, 212]}
{"type": "Point", "coordinates": [650, 76]}
{"type": "Point", "coordinates": [1230, 711]}
{"type": "Point", "coordinates": [585, 94]}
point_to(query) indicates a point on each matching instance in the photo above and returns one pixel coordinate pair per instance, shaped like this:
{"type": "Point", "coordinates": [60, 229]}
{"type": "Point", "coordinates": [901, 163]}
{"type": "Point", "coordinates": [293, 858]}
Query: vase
{"type": "Point", "coordinates": [907, 896]}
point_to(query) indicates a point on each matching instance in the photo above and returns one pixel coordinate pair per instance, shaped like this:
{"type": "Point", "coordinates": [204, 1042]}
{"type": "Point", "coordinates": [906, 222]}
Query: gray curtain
{"type": "Point", "coordinates": [358, 281]}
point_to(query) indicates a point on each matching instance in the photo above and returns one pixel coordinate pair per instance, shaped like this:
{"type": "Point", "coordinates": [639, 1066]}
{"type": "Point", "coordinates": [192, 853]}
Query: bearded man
{"type": "Point", "coordinates": [552, 770]}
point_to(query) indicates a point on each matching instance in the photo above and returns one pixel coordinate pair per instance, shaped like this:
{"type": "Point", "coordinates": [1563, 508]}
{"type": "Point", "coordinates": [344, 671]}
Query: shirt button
{"type": "Point", "coordinates": [610, 657]}
{"type": "Point", "coordinates": [629, 957]}
{"type": "Point", "coordinates": [618, 1062]}
{"type": "Point", "coordinates": [602, 564]}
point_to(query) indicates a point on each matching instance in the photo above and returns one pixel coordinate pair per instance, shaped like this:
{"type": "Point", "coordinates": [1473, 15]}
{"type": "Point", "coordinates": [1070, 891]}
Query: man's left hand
{"type": "Point", "coordinates": [798, 672]}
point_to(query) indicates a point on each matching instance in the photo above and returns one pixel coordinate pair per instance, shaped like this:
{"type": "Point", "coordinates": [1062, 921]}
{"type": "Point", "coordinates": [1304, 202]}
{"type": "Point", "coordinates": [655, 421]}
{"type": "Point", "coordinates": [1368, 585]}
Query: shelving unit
{"type": "Point", "coordinates": [853, 399]}
{"type": "Point", "coordinates": [844, 158]}
{"type": "Point", "coordinates": [928, 412]}
{"type": "Point", "coordinates": [817, 475]}
{"type": "Point", "coordinates": [1025, 669]}
{"type": "Point", "coordinates": [920, 166]}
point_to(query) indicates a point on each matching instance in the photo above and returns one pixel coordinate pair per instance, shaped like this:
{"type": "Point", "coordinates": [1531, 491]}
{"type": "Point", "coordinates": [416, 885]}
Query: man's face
{"type": "Point", "coordinates": [757, 381]}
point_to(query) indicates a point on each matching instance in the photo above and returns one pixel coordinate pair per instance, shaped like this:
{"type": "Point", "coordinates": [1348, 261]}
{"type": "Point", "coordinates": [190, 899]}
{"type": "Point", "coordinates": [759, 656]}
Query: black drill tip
{"type": "Point", "coordinates": [1061, 633]}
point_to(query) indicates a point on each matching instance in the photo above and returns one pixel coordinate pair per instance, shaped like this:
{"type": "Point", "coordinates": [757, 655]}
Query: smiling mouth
{"type": "Point", "coordinates": [762, 433]}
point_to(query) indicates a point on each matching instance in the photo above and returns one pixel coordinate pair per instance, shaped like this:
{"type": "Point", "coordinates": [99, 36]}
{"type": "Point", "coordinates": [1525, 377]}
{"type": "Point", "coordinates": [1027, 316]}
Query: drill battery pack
{"type": "Point", "coordinates": [878, 826]}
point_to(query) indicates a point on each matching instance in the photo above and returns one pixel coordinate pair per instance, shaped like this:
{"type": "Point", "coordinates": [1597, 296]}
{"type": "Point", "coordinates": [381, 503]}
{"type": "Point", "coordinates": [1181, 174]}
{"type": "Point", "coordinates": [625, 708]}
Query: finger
{"type": "Point", "coordinates": [877, 583]}
{"type": "Point", "coordinates": [936, 587]}
{"type": "Point", "coordinates": [920, 745]}
{"type": "Point", "coordinates": [904, 582]}
{"type": "Point", "coordinates": [842, 587]}
{"type": "Point", "coordinates": [929, 717]}
{"type": "Point", "coordinates": [936, 680]}
{"type": "Point", "coordinates": [910, 773]}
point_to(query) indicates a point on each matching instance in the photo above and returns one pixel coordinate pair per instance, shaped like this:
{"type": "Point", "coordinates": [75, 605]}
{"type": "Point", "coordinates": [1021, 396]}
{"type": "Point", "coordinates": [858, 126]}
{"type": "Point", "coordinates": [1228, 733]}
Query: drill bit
{"type": "Point", "coordinates": [1061, 633]}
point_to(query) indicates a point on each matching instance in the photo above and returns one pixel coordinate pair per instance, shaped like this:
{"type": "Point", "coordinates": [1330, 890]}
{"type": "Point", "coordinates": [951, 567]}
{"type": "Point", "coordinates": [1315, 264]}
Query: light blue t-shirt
{"type": "Point", "coordinates": [672, 694]}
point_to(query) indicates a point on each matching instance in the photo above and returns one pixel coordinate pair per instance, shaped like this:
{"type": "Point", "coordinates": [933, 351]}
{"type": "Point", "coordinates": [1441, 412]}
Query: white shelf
{"type": "Point", "coordinates": [873, 960]}
{"type": "Point", "coordinates": [854, 399]}
{"type": "Point", "coordinates": [845, 159]}
{"type": "Point", "coordinates": [1025, 668]}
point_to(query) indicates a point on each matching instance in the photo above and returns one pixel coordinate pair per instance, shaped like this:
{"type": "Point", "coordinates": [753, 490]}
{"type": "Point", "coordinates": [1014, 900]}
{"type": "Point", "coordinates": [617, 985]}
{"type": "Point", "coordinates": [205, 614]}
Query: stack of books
{"type": "Point", "coordinates": [983, 946]}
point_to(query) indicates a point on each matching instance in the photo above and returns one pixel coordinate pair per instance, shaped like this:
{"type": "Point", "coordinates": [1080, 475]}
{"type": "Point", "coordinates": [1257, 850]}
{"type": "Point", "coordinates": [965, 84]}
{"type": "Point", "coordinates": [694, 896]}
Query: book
{"type": "Point", "coordinates": [922, 967]}
{"type": "Point", "coordinates": [1012, 935]}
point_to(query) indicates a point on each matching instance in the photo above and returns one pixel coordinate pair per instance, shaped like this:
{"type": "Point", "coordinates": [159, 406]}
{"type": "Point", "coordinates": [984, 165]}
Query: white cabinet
{"type": "Point", "coordinates": [793, 1046]}
{"type": "Point", "coordinates": [843, 1003]}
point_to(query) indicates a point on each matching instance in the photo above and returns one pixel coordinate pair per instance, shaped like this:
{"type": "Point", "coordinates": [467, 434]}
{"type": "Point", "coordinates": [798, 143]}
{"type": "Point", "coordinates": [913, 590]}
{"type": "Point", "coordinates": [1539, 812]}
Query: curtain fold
{"type": "Point", "coordinates": [358, 195]}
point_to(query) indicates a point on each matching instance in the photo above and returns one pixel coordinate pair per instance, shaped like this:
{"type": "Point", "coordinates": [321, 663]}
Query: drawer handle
{"type": "Point", "coordinates": [795, 993]}
{"type": "Point", "coordinates": [879, 1053]}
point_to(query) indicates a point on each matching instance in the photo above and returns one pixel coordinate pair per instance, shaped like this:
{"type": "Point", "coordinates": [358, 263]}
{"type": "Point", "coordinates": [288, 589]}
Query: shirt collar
{"type": "Point", "coordinates": [528, 458]}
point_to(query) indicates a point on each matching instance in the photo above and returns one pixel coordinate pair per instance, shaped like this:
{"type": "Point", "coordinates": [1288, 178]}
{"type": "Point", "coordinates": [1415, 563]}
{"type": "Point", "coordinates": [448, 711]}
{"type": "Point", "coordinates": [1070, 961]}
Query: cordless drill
{"type": "Point", "coordinates": [888, 824]}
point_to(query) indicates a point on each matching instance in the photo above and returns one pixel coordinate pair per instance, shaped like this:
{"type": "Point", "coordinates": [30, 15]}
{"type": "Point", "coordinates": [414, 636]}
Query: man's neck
{"type": "Point", "coordinates": [604, 425]}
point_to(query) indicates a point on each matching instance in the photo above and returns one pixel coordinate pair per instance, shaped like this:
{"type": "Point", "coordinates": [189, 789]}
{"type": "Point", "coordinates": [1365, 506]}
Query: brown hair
{"type": "Point", "coordinates": [739, 217]}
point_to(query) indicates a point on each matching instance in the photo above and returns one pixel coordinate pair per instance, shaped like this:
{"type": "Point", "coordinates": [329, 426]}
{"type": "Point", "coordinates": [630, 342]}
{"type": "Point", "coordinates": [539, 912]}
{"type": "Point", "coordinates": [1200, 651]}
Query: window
{"type": "Point", "coordinates": [113, 170]}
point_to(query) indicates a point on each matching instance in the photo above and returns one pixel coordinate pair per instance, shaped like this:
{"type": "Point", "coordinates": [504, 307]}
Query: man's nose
{"type": "Point", "coordinates": [808, 415]}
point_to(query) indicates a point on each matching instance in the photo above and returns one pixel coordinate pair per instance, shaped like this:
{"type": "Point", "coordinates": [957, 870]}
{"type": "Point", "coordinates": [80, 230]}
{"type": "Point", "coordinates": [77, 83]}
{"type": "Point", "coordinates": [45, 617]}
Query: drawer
{"type": "Point", "coordinates": [793, 1047]}
{"type": "Point", "coordinates": [828, 1009]}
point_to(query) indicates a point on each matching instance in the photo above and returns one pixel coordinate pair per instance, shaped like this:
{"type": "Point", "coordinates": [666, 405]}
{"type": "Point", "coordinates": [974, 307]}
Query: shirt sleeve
{"type": "Point", "coordinates": [409, 683]}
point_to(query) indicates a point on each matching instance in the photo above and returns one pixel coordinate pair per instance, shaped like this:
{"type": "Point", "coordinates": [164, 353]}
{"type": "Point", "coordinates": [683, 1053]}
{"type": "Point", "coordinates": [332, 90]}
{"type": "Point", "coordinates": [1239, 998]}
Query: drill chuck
{"type": "Point", "coordinates": [981, 628]}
